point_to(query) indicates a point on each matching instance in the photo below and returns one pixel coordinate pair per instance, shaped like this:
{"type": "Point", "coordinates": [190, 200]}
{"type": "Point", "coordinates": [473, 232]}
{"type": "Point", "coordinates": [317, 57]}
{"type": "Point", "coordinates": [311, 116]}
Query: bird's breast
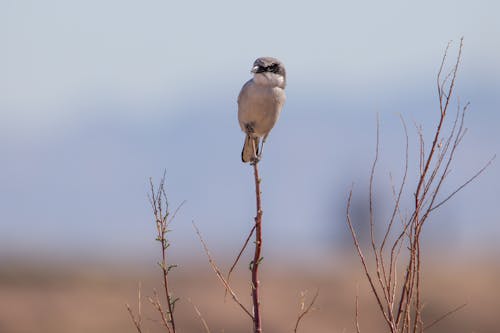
{"type": "Point", "coordinates": [260, 105]}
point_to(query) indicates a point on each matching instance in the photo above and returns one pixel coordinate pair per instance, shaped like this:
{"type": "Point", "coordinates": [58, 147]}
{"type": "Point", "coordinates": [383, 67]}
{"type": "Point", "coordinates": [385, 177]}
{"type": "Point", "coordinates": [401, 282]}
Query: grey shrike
{"type": "Point", "coordinates": [259, 105]}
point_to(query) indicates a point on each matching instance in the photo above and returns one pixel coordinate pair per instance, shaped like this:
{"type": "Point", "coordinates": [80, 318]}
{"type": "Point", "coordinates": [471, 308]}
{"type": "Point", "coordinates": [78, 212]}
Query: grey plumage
{"type": "Point", "coordinates": [259, 104]}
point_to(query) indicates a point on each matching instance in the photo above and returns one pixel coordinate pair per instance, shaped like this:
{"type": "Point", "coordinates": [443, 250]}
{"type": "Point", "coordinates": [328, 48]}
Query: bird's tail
{"type": "Point", "coordinates": [250, 149]}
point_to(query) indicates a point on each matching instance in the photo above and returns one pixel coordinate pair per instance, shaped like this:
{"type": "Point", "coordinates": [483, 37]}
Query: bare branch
{"type": "Point", "coordinates": [370, 200]}
{"type": "Point", "coordinates": [198, 313]}
{"type": "Point", "coordinates": [395, 253]}
{"type": "Point", "coordinates": [257, 258]}
{"type": "Point", "coordinates": [356, 314]}
{"type": "Point", "coordinates": [175, 212]}
{"type": "Point", "coordinates": [401, 306]}
{"type": "Point", "coordinates": [400, 191]}
{"type": "Point", "coordinates": [158, 198]}
{"type": "Point", "coordinates": [471, 179]}
{"type": "Point", "coordinates": [305, 310]}
{"type": "Point", "coordinates": [239, 255]}
{"type": "Point", "coordinates": [157, 305]}
{"type": "Point", "coordinates": [447, 314]}
{"type": "Point", "coordinates": [362, 258]}
{"type": "Point", "coordinates": [136, 320]}
{"type": "Point", "coordinates": [219, 273]}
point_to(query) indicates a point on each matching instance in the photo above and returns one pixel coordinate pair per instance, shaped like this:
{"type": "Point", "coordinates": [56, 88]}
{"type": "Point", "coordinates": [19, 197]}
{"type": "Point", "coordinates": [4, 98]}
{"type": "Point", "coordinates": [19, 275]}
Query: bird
{"type": "Point", "coordinates": [259, 105]}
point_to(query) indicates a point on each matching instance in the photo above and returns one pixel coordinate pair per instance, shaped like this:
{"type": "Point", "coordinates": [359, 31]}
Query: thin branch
{"type": "Point", "coordinates": [137, 320]}
{"type": "Point", "coordinates": [362, 258]}
{"type": "Point", "coordinates": [198, 313]}
{"type": "Point", "coordinates": [219, 273]}
{"type": "Point", "coordinates": [439, 126]}
{"type": "Point", "coordinates": [239, 255]}
{"type": "Point", "coordinates": [356, 314]}
{"type": "Point", "coordinates": [403, 313]}
{"type": "Point", "coordinates": [370, 200]}
{"type": "Point", "coordinates": [305, 310]}
{"type": "Point", "coordinates": [379, 265]}
{"type": "Point", "coordinates": [439, 81]}
{"type": "Point", "coordinates": [458, 189]}
{"type": "Point", "coordinates": [394, 254]}
{"type": "Point", "coordinates": [447, 314]}
{"type": "Point", "coordinates": [421, 142]}
{"type": "Point", "coordinates": [175, 212]}
{"type": "Point", "coordinates": [157, 305]}
{"type": "Point", "coordinates": [444, 150]}
{"type": "Point", "coordinates": [401, 188]}
{"type": "Point", "coordinates": [162, 220]}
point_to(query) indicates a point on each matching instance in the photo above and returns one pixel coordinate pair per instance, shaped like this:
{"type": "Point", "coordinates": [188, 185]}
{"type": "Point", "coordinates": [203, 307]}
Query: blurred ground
{"type": "Point", "coordinates": [88, 297]}
{"type": "Point", "coordinates": [97, 96]}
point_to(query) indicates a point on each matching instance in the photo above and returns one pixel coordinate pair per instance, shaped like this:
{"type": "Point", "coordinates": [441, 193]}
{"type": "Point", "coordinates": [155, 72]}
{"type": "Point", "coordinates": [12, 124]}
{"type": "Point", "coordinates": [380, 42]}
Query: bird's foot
{"type": "Point", "coordinates": [255, 160]}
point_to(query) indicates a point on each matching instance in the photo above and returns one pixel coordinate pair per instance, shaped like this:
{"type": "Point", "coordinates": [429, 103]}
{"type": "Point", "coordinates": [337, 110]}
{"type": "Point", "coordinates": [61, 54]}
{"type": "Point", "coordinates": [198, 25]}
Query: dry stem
{"type": "Point", "coordinates": [220, 275]}
{"type": "Point", "coordinates": [257, 254]}
{"type": "Point", "coordinates": [399, 298]}
{"type": "Point", "coordinates": [198, 313]}
{"type": "Point", "coordinates": [304, 310]}
{"type": "Point", "coordinates": [447, 314]}
{"type": "Point", "coordinates": [160, 207]}
{"type": "Point", "coordinates": [233, 266]}
{"type": "Point", "coordinates": [254, 264]}
{"type": "Point", "coordinates": [136, 320]}
{"type": "Point", "coordinates": [356, 311]}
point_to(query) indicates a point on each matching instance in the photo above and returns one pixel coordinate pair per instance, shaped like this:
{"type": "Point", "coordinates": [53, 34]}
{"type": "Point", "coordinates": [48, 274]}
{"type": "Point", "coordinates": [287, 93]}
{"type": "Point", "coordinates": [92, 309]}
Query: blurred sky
{"type": "Point", "coordinates": [97, 96]}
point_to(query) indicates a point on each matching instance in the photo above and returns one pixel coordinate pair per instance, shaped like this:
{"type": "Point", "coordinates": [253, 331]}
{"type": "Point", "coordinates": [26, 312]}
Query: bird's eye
{"type": "Point", "coordinates": [272, 68]}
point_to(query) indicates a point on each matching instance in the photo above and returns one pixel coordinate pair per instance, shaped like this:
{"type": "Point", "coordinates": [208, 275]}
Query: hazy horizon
{"type": "Point", "coordinates": [98, 97]}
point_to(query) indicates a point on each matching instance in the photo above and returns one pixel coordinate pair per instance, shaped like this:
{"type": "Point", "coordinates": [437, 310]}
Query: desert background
{"type": "Point", "coordinates": [92, 298]}
{"type": "Point", "coordinates": [97, 97]}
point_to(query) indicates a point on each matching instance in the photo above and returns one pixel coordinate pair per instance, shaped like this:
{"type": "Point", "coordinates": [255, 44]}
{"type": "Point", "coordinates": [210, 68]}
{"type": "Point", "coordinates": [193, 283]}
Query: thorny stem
{"type": "Point", "coordinates": [257, 255]}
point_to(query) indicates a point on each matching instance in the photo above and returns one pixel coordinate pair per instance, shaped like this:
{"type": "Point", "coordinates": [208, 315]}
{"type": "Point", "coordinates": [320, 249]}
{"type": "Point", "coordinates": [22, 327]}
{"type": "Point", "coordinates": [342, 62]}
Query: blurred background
{"type": "Point", "coordinates": [98, 96]}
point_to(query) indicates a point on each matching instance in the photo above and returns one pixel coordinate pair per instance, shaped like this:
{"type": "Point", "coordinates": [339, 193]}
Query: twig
{"type": "Point", "coordinates": [198, 313]}
{"type": "Point", "coordinates": [356, 314]}
{"type": "Point", "coordinates": [447, 314]}
{"type": "Point", "coordinates": [305, 310]}
{"type": "Point", "coordinates": [219, 273]}
{"type": "Point", "coordinates": [137, 320]}
{"type": "Point", "coordinates": [458, 189]}
{"type": "Point", "coordinates": [157, 199]}
{"type": "Point", "coordinates": [155, 302]}
{"type": "Point", "coordinates": [239, 255]}
{"type": "Point", "coordinates": [175, 212]}
{"type": "Point", "coordinates": [160, 207]}
{"type": "Point", "coordinates": [401, 306]}
{"type": "Point", "coordinates": [362, 258]}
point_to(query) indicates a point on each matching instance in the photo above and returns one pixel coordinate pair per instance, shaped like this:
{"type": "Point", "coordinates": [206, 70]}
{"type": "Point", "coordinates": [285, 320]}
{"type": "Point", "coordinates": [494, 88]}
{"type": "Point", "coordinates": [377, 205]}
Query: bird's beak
{"type": "Point", "coordinates": [255, 69]}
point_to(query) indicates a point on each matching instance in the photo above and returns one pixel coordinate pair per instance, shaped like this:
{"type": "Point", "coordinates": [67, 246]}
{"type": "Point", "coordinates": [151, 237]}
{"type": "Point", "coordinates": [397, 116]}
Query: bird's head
{"type": "Point", "coordinates": [269, 71]}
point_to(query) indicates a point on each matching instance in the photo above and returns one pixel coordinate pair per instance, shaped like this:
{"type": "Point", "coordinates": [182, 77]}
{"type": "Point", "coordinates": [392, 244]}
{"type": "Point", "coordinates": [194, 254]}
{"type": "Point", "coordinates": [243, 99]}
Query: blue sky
{"type": "Point", "coordinates": [97, 96]}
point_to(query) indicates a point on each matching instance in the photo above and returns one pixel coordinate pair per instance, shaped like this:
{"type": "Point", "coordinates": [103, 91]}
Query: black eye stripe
{"type": "Point", "coordinates": [272, 68]}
